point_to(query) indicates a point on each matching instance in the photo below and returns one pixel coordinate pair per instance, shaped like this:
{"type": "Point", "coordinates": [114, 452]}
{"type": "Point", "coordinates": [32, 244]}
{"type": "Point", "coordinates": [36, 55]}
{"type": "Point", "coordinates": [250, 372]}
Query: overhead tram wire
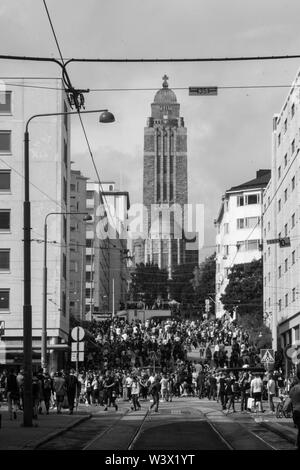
{"type": "Point", "coordinates": [75, 94]}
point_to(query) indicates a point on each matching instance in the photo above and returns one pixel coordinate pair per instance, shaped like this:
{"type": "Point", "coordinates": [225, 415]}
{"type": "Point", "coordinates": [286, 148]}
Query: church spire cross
{"type": "Point", "coordinates": [165, 83]}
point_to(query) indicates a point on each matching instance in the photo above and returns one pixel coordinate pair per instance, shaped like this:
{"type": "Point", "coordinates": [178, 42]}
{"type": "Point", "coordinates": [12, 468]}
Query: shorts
{"type": "Point", "coordinates": [257, 396]}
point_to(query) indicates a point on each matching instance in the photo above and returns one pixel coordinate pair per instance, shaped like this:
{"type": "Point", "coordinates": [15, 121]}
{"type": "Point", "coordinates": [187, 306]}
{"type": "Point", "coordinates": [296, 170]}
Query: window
{"type": "Point", "coordinates": [73, 187]}
{"type": "Point", "coordinates": [111, 188]}
{"type": "Point", "coordinates": [226, 228]}
{"type": "Point", "coordinates": [279, 205]}
{"type": "Point", "coordinates": [279, 272]}
{"type": "Point", "coordinates": [279, 139]}
{"type": "Point", "coordinates": [286, 299]}
{"type": "Point", "coordinates": [89, 242]}
{"type": "Point", "coordinates": [269, 226]}
{"type": "Point", "coordinates": [4, 299]}
{"type": "Point", "coordinates": [279, 172]}
{"type": "Point", "coordinates": [5, 102]}
{"type": "Point", "coordinates": [218, 267]}
{"type": "Point", "coordinates": [158, 192]}
{"type": "Point", "coordinates": [293, 257]}
{"type": "Point", "coordinates": [158, 164]}
{"type": "Point", "coordinates": [285, 126]}
{"type": "Point", "coordinates": [171, 192]}
{"type": "Point", "coordinates": [64, 304]}
{"type": "Point", "coordinates": [285, 265]}
{"type": "Point", "coordinates": [240, 223]}
{"type": "Point", "coordinates": [265, 281]}
{"type": "Point", "coordinates": [165, 164]}
{"type": "Point", "coordinates": [293, 110]}
{"type": "Point", "coordinates": [293, 183]}
{"type": "Point", "coordinates": [265, 233]}
{"type": "Point", "coordinates": [226, 250]}
{"type": "Point", "coordinates": [219, 249]}
{"type": "Point", "coordinates": [4, 180]}
{"type": "Point", "coordinates": [64, 266]}
{"type": "Point", "coordinates": [293, 294]}
{"type": "Point", "coordinates": [64, 228]}
{"type": "Point", "coordinates": [88, 276]}
{"type": "Point", "coordinates": [165, 191]}
{"type": "Point", "coordinates": [65, 190]}
{"type": "Point", "coordinates": [65, 153]}
{"type": "Point", "coordinates": [171, 164]}
{"type": "Point", "coordinates": [252, 245]}
{"type": "Point", "coordinates": [285, 160]}
{"type": "Point", "coordinates": [293, 220]}
{"type": "Point", "coordinates": [269, 277]}
{"type": "Point", "coordinates": [279, 305]}
{"type": "Point", "coordinates": [286, 230]}
{"type": "Point", "coordinates": [285, 195]}
{"type": "Point", "coordinates": [4, 219]}
{"type": "Point", "coordinates": [87, 293]}
{"type": "Point", "coordinates": [269, 251]}
{"type": "Point", "coordinates": [240, 200]}
{"type": "Point", "coordinates": [5, 141]}
{"type": "Point", "coordinates": [88, 259]}
{"type": "Point", "coordinates": [293, 146]}
{"type": "Point", "coordinates": [4, 259]}
{"type": "Point", "coordinates": [252, 199]}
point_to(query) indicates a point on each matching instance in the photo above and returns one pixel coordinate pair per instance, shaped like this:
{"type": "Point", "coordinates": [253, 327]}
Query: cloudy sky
{"type": "Point", "coordinates": [229, 136]}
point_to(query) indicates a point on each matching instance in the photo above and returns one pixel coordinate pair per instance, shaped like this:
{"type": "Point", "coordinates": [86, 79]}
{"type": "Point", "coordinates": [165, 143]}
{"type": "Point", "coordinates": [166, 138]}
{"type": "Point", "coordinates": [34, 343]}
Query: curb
{"type": "Point", "coordinates": [50, 436]}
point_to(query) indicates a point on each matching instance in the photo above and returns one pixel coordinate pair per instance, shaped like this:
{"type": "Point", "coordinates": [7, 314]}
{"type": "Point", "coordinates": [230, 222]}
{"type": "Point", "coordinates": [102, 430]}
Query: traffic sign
{"type": "Point", "coordinates": [74, 357]}
{"type": "Point", "coordinates": [286, 241]}
{"type": "Point", "coordinates": [267, 355]}
{"type": "Point", "coordinates": [203, 90]}
{"type": "Point", "coordinates": [77, 346]}
{"type": "Point", "coordinates": [77, 333]}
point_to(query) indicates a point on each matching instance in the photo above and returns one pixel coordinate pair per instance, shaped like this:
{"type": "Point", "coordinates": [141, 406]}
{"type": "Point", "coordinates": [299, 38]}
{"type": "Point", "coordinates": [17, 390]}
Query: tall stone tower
{"type": "Point", "coordinates": [165, 181]}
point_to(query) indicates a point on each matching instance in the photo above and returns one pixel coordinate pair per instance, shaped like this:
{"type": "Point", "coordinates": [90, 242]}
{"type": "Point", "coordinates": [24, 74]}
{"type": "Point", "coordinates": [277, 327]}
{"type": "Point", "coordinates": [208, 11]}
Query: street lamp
{"type": "Point", "coordinates": [45, 279]}
{"type": "Point", "coordinates": [105, 117]}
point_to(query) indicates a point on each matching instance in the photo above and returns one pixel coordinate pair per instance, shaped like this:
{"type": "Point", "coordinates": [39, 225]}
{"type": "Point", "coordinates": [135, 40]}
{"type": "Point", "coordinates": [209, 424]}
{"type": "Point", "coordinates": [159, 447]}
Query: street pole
{"type": "Point", "coordinates": [27, 308]}
{"type": "Point", "coordinates": [44, 319]}
{"type": "Point", "coordinates": [113, 297]}
{"type": "Point", "coordinates": [105, 117]}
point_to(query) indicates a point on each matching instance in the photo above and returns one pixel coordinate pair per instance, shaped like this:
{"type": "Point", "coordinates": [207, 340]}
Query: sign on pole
{"type": "Point", "coordinates": [2, 328]}
{"type": "Point", "coordinates": [77, 333]}
{"type": "Point", "coordinates": [267, 356]}
{"type": "Point", "coordinates": [77, 346]}
{"type": "Point", "coordinates": [203, 90]}
{"type": "Point", "coordinates": [77, 356]}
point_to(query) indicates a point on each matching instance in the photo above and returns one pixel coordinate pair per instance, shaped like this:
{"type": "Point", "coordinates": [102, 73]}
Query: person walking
{"type": "Point", "coordinates": [71, 389]}
{"type": "Point", "coordinates": [48, 390]}
{"type": "Point", "coordinates": [12, 393]}
{"type": "Point", "coordinates": [154, 390]}
{"type": "Point", "coordinates": [135, 392]}
{"type": "Point", "coordinates": [59, 386]}
{"type": "Point", "coordinates": [294, 395]}
{"type": "Point", "coordinates": [271, 388]}
{"type": "Point", "coordinates": [256, 389]}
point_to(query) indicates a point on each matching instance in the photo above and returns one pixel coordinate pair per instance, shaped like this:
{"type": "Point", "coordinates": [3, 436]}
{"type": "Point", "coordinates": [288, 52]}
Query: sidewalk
{"type": "Point", "coordinates": [13, 436]}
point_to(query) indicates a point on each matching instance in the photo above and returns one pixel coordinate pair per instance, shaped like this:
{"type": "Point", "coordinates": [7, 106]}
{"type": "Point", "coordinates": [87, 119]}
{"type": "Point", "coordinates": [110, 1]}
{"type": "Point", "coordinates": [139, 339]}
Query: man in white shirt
{"type": "Point", "coordinates": [256, 389]}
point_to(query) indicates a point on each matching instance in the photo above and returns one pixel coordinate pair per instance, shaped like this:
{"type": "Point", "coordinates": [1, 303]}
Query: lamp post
{"type": "Point", "coordinates": [105, 117]}
{"type": "Point", "coordinates": [45, 279]}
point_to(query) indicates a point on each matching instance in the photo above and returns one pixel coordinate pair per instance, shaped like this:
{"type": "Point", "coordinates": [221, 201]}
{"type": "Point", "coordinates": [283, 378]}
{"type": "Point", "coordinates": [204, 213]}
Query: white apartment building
{"type": "Point", "coordinates": [106, 249]}
{"type": "Point", "coordinates": [281, 219]}
{"type": "Point", "coordinates": [239, 230]}
{"type": "Point", "coordinates": [77, 245]}
{"type": "Point", "coordinates": [49, 192]}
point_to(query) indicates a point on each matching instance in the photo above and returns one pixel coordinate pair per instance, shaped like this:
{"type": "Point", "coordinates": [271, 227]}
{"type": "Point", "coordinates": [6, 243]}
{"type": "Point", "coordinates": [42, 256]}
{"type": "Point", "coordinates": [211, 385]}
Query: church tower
{"type": "Point", "coordinates": [165, 181]}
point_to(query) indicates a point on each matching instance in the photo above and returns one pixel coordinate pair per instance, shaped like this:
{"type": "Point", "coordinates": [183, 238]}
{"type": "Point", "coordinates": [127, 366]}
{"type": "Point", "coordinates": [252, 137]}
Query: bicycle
{"type": "Point", "coordinates": [280, 411]}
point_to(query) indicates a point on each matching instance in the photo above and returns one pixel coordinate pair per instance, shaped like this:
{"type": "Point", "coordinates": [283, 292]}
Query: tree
{"type": "Point", "coordinates": [204, 282]}
{"type": "Point", "coordinates": [180, 286]}
{"type": "Point", "coordinates": [244, 291]}
{"type": "Point", "coordinates": [150, 281]}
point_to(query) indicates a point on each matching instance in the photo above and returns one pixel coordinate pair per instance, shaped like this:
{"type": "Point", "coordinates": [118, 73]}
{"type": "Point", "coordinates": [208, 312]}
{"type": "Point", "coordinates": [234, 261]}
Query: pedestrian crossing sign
{"type": "Point", "coordinates": [267, 355]}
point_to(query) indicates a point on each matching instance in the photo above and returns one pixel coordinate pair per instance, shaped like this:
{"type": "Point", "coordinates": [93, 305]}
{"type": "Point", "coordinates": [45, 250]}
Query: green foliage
{"type": "Point", "coordinates": [245, 289]}
{"type": "Point", "coordinates": [204, 282]}
{"type": "Point", "coordinates": [149, 282]}
{"type": "Point", "coordinates": [180, 286]}
{"type": "Point", "coordinates": [259, 334]}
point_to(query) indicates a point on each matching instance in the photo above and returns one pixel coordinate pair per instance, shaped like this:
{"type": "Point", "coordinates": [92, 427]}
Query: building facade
{"type": "Point", "coordinates": [165, 189]}
{"type": "Point", "coordinates": [77, 245]}
{"type": "Point", "coordinates": [106, 249]}
{"type": "Point", "coordinates": [49, 155]}
{"type": "Point", "coordinates": [239, 230]}
{"type": "Point", "coordinates": [281, 220]}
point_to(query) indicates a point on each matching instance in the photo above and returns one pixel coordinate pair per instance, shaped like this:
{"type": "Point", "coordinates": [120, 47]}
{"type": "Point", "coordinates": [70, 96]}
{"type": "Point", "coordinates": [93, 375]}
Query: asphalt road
{"type": "Point", "coordinates": [184, 424]}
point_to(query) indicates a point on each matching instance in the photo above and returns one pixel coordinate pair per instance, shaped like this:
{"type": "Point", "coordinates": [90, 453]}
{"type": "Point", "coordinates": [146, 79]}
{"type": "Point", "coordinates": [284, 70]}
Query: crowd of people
{"type": "Point", "coordinates": [149, 361]}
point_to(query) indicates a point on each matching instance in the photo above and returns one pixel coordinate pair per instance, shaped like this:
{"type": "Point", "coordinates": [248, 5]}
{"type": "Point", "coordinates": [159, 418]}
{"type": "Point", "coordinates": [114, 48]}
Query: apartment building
{"type": "Point", "coordinates": [49, 193]}
{"type": "Point", "coordinates": [281, 221]}
{"type": "Point", "coordinates": [239, 230]}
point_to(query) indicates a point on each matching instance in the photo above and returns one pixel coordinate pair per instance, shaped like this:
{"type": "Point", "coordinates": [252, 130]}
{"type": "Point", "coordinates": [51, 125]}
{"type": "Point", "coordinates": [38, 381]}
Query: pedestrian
{"type": "Point", "coordinates": [48, 389]}
{"type": "Point", "coordinates": [59, 386]}
{"type": "Point", "coordinates": [256, 389]}
{"type": "Point", "coordinates": [110, 394]}
{"type": "Point", "coordinates": [135, 392]}
{"type": "Point", "coordinates": [222, 392]}
{"type": "Point", "coordinates": [229, 391]}
{"type": "Point", "coordinates": [20, 380]}
{"type": "Point", "coordinates": [245, 390]}
{"type": "Point", "coordinates": [154, 390]}
{"type": "Point", "coordinates": [36, 395]}
{"type": "Point", "coordinates": [294, 395]}
{"type": "Point", "coordinates": [271, 388]}
{"type": "Point", "coordinates": [71, 389]}
{"type": "Point", "coordinates": [12, 393]}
